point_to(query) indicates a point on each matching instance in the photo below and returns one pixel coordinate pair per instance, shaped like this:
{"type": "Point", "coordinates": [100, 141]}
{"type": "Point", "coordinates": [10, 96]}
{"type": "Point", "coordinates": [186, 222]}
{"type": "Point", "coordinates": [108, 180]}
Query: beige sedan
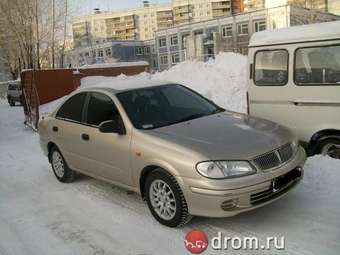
{"type": "Point", "coordinates": [185, 155]}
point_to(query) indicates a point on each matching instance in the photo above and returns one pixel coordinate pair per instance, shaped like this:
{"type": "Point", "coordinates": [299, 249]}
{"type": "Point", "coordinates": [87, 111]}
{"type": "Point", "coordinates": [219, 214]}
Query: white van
{"type": "Point", "coordinates": [295, 81]}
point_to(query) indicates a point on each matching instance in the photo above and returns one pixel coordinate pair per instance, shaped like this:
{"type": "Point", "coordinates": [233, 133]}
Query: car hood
{"type": "Point", "coordinates": [227, 135]}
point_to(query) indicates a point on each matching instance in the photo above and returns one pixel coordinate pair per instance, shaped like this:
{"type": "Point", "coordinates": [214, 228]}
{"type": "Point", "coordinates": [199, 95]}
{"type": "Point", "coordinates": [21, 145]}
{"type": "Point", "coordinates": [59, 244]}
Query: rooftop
{"type": "Point", "coordinates": [304, 33]}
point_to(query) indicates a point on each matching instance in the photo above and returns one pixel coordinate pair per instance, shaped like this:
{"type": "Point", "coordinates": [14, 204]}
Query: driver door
{"type": "Point", "coordinates": [107, 154]}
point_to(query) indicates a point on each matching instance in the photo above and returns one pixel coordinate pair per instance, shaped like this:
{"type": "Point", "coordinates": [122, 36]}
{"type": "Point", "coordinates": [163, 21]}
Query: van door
{"type": "Point", "coordinates": [298, 87]}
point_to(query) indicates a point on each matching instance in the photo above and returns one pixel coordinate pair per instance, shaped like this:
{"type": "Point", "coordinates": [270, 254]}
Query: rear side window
{"type": "Point", "coordinates": [271, 68]}
{"type": "Point", "coordinates": [100, 108]}
{"type": "Point", "coordinates": [72, 109]}
{"type": "Point", "coordinates": [317, 66]}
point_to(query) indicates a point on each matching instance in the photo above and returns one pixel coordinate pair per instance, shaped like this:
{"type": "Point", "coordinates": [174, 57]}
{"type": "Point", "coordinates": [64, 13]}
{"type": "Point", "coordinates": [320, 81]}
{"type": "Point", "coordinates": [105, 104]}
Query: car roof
{"type": "Point", "coordinates": [123, 86]}
{"type": "Point", "coordinates": [296, 34]}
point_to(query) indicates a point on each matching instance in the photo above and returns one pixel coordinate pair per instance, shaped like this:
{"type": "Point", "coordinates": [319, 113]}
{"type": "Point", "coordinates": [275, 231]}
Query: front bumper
{"type": "Point", "coordinates": [225, 198]}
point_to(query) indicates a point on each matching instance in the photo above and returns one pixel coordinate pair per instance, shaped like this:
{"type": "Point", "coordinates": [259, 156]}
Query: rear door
{"type": "Point", "coordinates": [67, 130]}
{"type": "Point", "coordinates": [107, 154]}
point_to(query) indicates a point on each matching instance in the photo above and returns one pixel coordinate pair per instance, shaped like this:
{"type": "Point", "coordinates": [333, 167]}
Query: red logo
{"type": "Point", "coordinates": [196, 241]}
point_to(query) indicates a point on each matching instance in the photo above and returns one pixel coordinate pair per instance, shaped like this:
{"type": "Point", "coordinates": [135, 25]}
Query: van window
{"type": "Point", "coordinates": [317, 66]}
{"type": "Point", "coordinates": [271, 68]}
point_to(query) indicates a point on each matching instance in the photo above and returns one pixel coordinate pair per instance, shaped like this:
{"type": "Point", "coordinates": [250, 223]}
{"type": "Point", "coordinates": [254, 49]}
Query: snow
{"type": "Point", "coordinates": [223, 80]}
{"type": "Point", "coordinates": [39, 215]}
{"type": "Point", "coordinates": [310, 32]}
{"type": "Point", "coordinates": [115, 64]}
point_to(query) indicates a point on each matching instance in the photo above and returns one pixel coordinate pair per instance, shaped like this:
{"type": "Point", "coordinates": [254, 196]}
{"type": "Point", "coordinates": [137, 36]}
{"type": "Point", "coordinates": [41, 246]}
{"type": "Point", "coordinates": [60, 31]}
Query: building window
{"type": "Point", "coordinates": [140, 51]}
{"type": "Point", "coordinates": [271, 68]}
{"type": "Point", "coordinates": [162, 42]}
{"type": "Point", "coordinates": [108, 52]}
{"type": "Point", "coordinates": [87, 54]}
{"type": "Point", "coordinates": [164, 60]}
{"type": "Point", "coordinates": [174, 40]}
{"type": "Point", "coordinates": [242, 29]}
{"type": "Point", "coordinates": [100, 53]}
{"type": "Point", "coordinates": [227, 31]}
{"type": "Point", "coordinates": [260, 25]}
{"type": "Point", "coordinates": [147, 50]}
{"type": "Point", "coordinates": [317, 66]}
{"type": "Point", "coordinates": [175, 58]}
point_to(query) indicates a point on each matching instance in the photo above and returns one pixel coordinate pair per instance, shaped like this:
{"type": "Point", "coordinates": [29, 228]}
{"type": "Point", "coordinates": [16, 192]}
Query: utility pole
{"type": "Point", "coordinates": [37, 34]}
{"type": "Point", "coordinates": [53, 28]}
{"type": "Point", "coordinates": [64, 43]}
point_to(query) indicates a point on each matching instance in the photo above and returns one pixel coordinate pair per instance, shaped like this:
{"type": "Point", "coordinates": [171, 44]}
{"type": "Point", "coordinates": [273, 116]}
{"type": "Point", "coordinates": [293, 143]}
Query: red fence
{"type": "Point", "coordinates": [43, 86]}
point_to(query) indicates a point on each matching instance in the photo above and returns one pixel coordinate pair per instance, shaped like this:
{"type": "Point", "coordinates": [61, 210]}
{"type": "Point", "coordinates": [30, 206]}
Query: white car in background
{"type": "Point", "coordinates": [294, 80]}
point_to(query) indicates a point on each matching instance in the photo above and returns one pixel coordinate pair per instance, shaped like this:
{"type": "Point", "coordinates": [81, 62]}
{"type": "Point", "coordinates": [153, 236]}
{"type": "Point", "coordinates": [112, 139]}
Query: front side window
{"type": "Point", "coordinates": [271, 68]}
{"type": "Point", "coordinates": [317, 66]}
{"type": "Point", "coordinates": [160, 106]}
{"type": "Point", "coordinates": [100, 108]}
{"type": "Point", "coordinates": [72, 109]}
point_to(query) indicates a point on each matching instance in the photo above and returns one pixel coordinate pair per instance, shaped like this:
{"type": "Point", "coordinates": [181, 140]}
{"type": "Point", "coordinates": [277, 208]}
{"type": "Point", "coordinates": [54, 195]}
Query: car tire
{"type": "Point", "coordinates": [11, 102]}
{"type": "Point", "coordinates": [329, 146]}
{"type": "Point", "coordinates": [165, 199]}
{"type": "Point", "coordinates": [59, 166]}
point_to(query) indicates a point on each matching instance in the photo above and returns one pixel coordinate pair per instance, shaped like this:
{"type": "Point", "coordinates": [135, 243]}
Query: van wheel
{"type": "Point", "coordinates": [165, 199]}
{"type": "Point", "coordinates": [60, 168]}
{"type": "Point", "coordinates": [11, 102]}
{"type": "Point", "coordinates": [330, 147]}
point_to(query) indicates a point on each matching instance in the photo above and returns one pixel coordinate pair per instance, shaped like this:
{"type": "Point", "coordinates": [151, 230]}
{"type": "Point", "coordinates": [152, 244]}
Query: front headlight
{"type": "Point", "coordinates": [224, 169]}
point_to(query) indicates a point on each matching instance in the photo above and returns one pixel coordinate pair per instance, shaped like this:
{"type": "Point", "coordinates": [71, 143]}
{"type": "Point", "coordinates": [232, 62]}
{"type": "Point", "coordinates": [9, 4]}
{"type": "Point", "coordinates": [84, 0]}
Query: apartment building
{"type": "Point", "coordinates": [331, 6]}
{"type": "Point", "coordinates": [142, 23]}
{"type": "Point", "coordinates": [203, 40]}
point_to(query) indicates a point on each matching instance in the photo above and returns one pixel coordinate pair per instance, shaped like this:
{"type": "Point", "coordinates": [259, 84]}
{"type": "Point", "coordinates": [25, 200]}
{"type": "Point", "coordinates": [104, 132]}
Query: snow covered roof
{"type": "Point", "coordinates": [312, 32]}
{"type": "Point", "coordinates": [115, 64]}
{"type": "Point", "coordinates": [110, 84]}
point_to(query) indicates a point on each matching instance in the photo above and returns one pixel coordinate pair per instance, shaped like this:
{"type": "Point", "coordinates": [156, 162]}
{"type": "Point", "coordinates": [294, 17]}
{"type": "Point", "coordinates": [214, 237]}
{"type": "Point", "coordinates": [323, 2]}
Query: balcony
{"type": "Point", "coordinates": [221, 5]}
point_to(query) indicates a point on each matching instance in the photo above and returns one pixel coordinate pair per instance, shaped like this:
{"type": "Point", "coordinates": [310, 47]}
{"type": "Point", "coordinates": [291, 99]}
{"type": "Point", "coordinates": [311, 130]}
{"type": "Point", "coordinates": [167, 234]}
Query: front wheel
{"type": "Point", "coordinates": [59, 166]}
{"type": "Point", "coordinates": [11, 102]}
{"type": "Point", "coordinates": [330, 147]}
{"type": "Point", "coordinates": [166, 200]}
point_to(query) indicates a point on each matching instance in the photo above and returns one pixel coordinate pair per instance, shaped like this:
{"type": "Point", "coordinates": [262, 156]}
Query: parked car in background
{"type": "Point", "coordinates": [295, 81]}
{"type": "Point", "coordinates": [14, 92]}
{"type": "Point", "coordinates": [184, 154]}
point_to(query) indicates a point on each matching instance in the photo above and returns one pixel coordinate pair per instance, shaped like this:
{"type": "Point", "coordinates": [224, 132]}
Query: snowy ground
{"type": "Point", "coordinates": [39, 215]}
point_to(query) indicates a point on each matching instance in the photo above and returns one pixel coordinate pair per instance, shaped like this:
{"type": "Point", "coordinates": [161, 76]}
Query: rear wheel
{"type": "Point", "coordinates": [330, 147]}
{"type": "Point", "coordinates": [166, 200]}
{"type": "Point", "coordinates": [59, 166]}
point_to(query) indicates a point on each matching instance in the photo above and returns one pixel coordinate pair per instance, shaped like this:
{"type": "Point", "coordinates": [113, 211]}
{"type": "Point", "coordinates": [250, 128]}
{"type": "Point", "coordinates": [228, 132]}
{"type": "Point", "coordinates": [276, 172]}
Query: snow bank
{"type": "Point", "coordinates": [223, 80]}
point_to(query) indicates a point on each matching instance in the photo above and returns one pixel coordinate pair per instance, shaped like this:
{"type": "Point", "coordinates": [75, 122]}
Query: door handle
{"type": "Point", "coordinates": [85, 137]}
{"type": "Point", "coordinates": [55, 129]}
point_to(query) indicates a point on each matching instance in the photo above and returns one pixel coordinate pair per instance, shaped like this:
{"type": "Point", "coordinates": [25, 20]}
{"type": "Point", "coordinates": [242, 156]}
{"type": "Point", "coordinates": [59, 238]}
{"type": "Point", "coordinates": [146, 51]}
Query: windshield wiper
{"type": "Point", "coordinates": [218, 110]}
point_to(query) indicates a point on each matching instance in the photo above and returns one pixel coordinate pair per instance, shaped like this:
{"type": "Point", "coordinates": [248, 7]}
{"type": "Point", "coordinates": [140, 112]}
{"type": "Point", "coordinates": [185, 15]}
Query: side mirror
{"type": "Point", "coordinates": [111, 126]}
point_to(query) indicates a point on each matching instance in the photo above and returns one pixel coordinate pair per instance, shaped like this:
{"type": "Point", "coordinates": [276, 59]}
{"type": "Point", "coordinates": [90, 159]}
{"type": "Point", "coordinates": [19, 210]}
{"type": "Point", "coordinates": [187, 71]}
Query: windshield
{"type": "Point", "coordinates": [160, 106]}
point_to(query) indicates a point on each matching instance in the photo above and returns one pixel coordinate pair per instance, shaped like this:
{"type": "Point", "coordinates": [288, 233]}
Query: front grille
{"type": "Point", "coordinates": [274, 158]}
{"type": "Point", "coordinates": [286, 152]}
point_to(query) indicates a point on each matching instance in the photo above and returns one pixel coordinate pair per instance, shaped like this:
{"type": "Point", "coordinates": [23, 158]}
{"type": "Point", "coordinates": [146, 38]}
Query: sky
{"type": "Point", "coordinates": [85, 7]}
